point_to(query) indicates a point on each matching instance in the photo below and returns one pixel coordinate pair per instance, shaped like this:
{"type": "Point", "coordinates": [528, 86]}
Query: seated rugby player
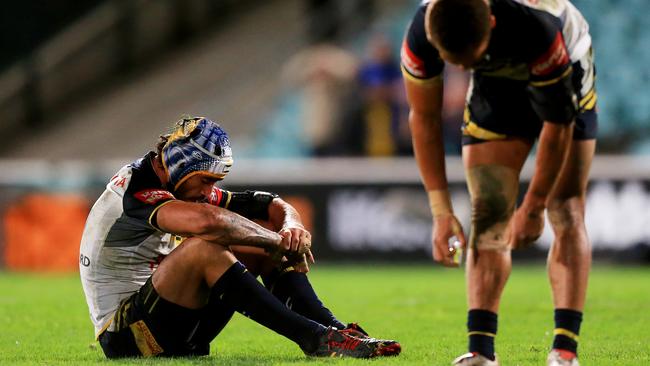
{"type": "Point", "coordinates": [169, 257]}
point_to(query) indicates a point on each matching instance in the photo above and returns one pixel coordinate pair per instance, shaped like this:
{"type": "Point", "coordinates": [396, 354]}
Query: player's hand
{"type": "Point", "coordinates": [295, 239]}
{"type": "Point", "coordinates": [527, 224]}
{"type": "Point", "coordinates": [444, 228]}
{"type": "Point", "coordinates": [299, 262]}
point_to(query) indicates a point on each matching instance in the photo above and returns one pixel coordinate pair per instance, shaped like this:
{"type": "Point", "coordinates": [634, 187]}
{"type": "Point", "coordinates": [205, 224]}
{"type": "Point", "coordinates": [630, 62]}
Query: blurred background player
{"type": "Point", "coordinates": [532, 78]}
{"type": "Point", "coordinates": [170, 258]}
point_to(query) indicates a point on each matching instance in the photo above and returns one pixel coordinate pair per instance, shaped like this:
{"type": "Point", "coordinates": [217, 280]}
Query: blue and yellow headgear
{"type": "Point", "coordinates": [197, 146]}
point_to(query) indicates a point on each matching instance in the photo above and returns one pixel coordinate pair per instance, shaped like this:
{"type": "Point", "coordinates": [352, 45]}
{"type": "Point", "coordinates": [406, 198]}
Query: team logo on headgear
{"type": "Point", "coordinates": [197, 146]}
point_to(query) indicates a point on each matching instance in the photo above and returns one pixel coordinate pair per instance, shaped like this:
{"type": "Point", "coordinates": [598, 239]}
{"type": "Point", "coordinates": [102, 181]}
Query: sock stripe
{"type": "Point", "coordinates": [567, 333]}
{"type": "Point", "coordinates": [288, 269]}
{"type": "Point", "coordinates": [476, 332]}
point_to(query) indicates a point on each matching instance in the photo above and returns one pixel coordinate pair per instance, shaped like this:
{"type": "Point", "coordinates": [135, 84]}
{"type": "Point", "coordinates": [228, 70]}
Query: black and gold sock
{"type": "Point", "coordinates": [481, 329]}
{"type": "Point", "coordinates": [567, 329]}
{"type": "Point", "coordinates": [295, 291]}
{"type": "Point", "coordinates": [239, 290]}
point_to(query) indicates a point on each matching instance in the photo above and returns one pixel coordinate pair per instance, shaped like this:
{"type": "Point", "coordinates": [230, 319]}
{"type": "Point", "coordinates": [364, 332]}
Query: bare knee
{"type": "Point", "coordinates": [197, 259]}
{"type": "Point", "coordinates": [186, 274]}
{"type": "Point", "coordinates": [566, 213]}
{"type": "Point", "coordinates": [493, 189]}
{"type": "Point", "coordinates": [490, 214]}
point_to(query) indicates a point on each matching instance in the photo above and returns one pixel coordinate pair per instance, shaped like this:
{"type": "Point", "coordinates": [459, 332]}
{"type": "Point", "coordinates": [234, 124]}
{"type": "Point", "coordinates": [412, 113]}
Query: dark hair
{"type": "Point", "coordinates": [459, 26]}
{"type": "Point", "coordinates": [161, 143]}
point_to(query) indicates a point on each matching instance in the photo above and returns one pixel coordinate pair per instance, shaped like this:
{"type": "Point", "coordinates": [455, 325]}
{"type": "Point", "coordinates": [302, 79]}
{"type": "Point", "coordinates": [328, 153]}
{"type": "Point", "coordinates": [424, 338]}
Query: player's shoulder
{"type": "Point", "coordinates": [419, 58]}
{"type": "Point", "coordinates": [144, 174]}
{"type": "Point", "coordinates": [135, 176]}
{"type": "Point", "coordinates": [121, 181]}
{"type": "Point", "coordinates": [553, 7]}
{"type": "Point", "coordinates": [530, 24]}
{"type": "Point", "coordinates": [531, 13]}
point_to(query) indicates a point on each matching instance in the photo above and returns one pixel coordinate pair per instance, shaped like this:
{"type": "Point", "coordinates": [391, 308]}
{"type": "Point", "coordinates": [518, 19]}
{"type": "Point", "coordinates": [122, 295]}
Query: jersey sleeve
{"type": "Point", "coordinates": [143, 204]}
{"type": "Point", "coordinates": [420, 61]}
{"type": "Point", "coordinates": [220, 197]}
{"type": "Point", "coordinates": [551, 91]}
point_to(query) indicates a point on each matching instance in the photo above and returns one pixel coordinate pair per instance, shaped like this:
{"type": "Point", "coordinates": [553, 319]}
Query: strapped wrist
{"type": "Point", "coordinates": [440, 202]}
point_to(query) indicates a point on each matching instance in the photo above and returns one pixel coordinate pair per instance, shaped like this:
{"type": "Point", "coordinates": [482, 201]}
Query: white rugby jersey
{"type": "Point", "coordinates": [121, 247]}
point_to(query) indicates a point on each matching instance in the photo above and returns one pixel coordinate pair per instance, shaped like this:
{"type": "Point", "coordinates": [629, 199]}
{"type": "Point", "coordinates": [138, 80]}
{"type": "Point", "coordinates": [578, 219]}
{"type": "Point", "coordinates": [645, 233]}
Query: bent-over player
{"type": "Point", "coordinates": [532, 78]}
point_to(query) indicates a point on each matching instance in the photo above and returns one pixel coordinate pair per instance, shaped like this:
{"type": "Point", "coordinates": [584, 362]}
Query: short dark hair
{"type": "Point", "coordinates": [162, 141]}
{"type": "Point", "coordinates": [459, 26]}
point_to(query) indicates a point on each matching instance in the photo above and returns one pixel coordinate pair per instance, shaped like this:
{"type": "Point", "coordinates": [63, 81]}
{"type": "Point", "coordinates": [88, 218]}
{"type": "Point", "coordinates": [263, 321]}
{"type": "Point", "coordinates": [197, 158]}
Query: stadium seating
{"type": "Point", "coordinates": [621, 36]}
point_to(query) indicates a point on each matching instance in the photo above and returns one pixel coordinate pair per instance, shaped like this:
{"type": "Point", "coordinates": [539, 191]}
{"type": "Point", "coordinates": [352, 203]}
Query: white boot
{"type": "Point", "coordinates": [475, 359]}
{"type": "Point", "coordinates": [555, 359]}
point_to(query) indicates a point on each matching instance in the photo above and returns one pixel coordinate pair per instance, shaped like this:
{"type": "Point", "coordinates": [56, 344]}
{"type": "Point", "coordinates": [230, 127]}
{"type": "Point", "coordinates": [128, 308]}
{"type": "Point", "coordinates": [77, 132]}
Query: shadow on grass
{"type": "Point", "coordinates": [217, 360]}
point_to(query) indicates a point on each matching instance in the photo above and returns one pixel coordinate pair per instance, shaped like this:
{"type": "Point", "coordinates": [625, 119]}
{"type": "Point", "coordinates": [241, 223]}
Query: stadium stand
{"type": "Point", "coordinates": [621, 34]}
{"type": "Point", "coordinates": [222, 71]}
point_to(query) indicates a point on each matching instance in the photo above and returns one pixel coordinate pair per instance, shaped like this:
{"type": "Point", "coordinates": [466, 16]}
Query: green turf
{"type": "Point", "coordinates": [44, 321]}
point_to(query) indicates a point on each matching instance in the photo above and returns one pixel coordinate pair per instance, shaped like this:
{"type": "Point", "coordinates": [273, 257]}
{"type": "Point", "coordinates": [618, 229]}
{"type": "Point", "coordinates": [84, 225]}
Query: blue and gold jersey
{"type": "Point", "coordinates": [534, 44]}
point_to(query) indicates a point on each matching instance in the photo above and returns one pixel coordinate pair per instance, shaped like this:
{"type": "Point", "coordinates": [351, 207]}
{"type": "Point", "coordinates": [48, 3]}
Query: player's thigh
{"type": "Point", "coordinates": [566, 202]}
{"type": "Point", "coordinates": [492, 170]}
{"type": "Point", "coordinates": [498, 109]}
{"type": "Point", "coordinates": [186, 275]}
{"type": "Point", "coordinates": [147, 325]}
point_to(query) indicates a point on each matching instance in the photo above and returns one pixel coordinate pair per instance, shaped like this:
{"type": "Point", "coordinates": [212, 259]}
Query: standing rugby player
{"type": "Point", "coordinates": [532, 79]}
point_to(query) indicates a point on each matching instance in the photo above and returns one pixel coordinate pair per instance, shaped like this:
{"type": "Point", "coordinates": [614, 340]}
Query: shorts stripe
{"type": "Point", "coordinates": [552, 81]}
{"type": "Point", "coordinates": [589, 101]}
{"type": "Point", "coordinates": [473, 129]}
{"type": "Point", "coordinates": [154, 304]}
{"type": "Point", "coordinates": [144, 340]}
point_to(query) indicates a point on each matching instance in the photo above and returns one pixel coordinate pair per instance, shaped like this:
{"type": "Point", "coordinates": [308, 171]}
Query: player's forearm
{"type": "Point", "coordinates": [428, 147]}
{"type": "Point", "coordinates": [229, 228]}
{"type": "Point", "coordinates": [553, 148]}
{"type": "Point", "coordinates": [425, 102]}
{"type": "Point", "coordinates": [214, 224]}
{"type": "Point", "coordinates": [282, 214]}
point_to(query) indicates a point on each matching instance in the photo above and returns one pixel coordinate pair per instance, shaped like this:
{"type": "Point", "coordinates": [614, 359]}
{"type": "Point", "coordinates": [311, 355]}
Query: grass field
{"type": "Point", "coordinates": [44, 320]}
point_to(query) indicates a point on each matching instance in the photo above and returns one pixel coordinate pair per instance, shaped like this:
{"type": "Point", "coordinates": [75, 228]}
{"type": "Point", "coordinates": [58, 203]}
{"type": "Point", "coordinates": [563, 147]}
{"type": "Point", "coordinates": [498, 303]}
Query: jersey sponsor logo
{"type": "Point", "coordinates": [118, 181]}
{"type": "Point", "coordinates": [412, 63]}
{"type": "Point", "coordinates": [144, 339]}
{"type": "Point", "coordinates": [152, 196]}
{"type": "Point", "coordinates": [215, 196]}
{"type": "Point", "coordinates": [554, 58]}
{"type": "Point", "coordinates": [84, 260]}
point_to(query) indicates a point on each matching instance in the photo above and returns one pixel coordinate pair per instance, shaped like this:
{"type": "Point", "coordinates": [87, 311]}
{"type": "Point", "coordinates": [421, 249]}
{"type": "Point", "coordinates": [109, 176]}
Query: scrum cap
{"type": "Point", "coordinates": [197, 146]}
